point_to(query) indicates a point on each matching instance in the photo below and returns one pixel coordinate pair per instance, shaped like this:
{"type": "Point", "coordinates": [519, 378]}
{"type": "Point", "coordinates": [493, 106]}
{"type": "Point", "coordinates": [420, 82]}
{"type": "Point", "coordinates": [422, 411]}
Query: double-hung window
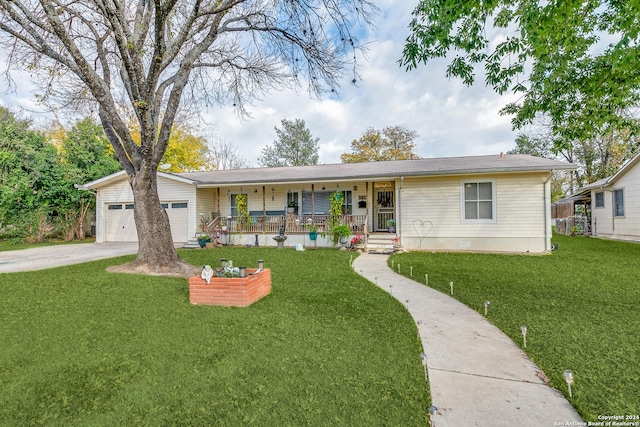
{"type": "Point", "coordinates": [618, 202]}
{"type": "Point", "coordinates": [479, 201]}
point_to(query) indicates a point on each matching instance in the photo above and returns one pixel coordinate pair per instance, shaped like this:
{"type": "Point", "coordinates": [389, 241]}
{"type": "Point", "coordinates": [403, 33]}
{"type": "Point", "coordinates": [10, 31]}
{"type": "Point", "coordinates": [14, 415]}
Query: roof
{"type": "Point", "coordinates": [379, 170]}
{"type": "Point", "coordinates": [357, 171]}
{"type": "Point", "coordinates": [119, 176]}
{"type": "Point", "coordinates": [610, 180]}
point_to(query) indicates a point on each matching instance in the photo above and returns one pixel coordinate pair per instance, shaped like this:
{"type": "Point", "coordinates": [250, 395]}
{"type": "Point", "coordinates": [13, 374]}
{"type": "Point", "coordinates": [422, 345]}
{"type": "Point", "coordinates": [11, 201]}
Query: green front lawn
{"type": "Point", "coordinates": [81, 346]}
{"type": "Point", "coordinates": [581, 306]}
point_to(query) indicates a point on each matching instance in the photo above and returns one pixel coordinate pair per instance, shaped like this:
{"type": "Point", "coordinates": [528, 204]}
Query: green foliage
{"type": "Point", "coordinates": [38, 198]}
{"type": "Point", "coordinates": [32, 180]}
{"type": "Point", "coordinates": [392, 143]}
{"type": "Point", "coordinates": [86, 152]}
{"type": "Point", "coordinates": [581, 313]}
{"type": "Point", "coordinates": [581, 57]}
{"type": "Point", "coordinates": [97, 348]}
{"type": "Point", "coordinates": [242, 205]}
{"type": "Point", "coordinates": [294, 147]}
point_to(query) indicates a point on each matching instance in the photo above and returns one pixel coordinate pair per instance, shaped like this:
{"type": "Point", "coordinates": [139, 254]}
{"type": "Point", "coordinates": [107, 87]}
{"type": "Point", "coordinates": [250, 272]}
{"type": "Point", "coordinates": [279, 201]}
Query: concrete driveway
{"type": "Point", "coordinates": [55, 256]}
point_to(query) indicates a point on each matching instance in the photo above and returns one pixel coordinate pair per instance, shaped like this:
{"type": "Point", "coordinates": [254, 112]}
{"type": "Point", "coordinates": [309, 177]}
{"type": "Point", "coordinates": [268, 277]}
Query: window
{"type": "Point", "coordinates": [600, 199]}
{"type": "Point", "coordinates": [478, 201]}
{"type": "Point", "coordinates": [322, 202]}
{"type": "Point", "coordinates": [618, 202]}
{"type": "Point", "coordinates": [114, 207]}
{"type": "Point", "coordinates": [180, 205]}
{"type": "Point", "coordinates": [128, 206]}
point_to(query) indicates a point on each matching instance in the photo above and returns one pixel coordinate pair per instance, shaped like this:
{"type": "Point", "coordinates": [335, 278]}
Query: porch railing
{"type": "Point", "coordinates": [292, 223]}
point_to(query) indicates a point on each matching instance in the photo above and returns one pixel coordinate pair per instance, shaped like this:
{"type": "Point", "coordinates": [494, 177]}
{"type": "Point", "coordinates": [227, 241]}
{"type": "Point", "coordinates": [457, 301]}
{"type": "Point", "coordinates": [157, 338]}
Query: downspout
{"type": "Point", "coordinates": [547, 213]}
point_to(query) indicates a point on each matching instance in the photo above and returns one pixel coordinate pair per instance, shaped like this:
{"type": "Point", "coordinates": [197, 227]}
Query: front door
{"type": "Point", "coordinates": [384, 196]}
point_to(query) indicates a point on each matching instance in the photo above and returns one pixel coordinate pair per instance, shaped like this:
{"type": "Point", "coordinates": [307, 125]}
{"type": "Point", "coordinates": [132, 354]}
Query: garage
{"type": "Point", "coordinates": [121, 227]}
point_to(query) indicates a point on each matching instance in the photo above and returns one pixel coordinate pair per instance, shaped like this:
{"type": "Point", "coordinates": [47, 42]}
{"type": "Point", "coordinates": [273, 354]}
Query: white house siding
{"type": "Point", "coordinates": [206, 203]}
{"type": "Point", "coordinates": [168, 191]}
{"type": "Point", "coordinates": [430, 214]}
{"type": "Point", "coordinates": [628, 226]}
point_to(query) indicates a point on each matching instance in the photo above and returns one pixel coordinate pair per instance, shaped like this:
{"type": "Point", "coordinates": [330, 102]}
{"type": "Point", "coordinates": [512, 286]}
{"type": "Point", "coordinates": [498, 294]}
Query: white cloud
{"type": "Point", "coordinates": [450, 118]}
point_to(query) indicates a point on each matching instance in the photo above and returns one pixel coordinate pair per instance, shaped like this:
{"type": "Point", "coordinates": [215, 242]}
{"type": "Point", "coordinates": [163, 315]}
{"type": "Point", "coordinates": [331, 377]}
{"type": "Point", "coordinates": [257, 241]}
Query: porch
{"type": "Point", "coordinates": [289, 223]}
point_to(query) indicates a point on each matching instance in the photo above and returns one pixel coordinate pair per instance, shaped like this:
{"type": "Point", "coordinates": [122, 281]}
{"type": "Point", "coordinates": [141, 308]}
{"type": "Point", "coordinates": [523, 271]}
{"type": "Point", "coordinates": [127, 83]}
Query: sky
{"type": "Point", "coordinates": [450, 119]}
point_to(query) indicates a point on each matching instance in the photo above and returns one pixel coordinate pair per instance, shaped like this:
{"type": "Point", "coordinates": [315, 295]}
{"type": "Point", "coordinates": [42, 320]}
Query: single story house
{"type": "Point", "coordinates": [474, 203]}
{"type": "Point", "coordinates": [615, 203]}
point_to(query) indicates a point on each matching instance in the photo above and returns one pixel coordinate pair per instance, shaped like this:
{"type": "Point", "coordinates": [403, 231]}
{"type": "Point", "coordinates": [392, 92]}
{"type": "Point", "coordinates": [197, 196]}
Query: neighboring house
{"type": "Point", "coordinates": [479, 203]}
{"type": "Point", "coordinates": [615, 203]}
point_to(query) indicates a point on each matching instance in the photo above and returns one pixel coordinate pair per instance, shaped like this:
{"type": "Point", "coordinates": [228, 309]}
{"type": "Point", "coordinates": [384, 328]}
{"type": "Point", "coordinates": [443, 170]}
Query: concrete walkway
{"type": "Point", "coordinates": [54, 256]}
{"type": "Point", "coordinates": [477, 375]}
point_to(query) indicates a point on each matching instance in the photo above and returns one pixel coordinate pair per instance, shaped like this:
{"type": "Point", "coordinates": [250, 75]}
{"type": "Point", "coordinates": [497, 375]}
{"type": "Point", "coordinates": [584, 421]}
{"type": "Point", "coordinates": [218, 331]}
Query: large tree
{"type": "Point", "coordinates": [148, 58]}
{"type": "Point", "coordinates": [575, 62]}
{"type": "Point", "coordinates": [392, 143]}
{"type": "Point", "coordinates": [294, 147]}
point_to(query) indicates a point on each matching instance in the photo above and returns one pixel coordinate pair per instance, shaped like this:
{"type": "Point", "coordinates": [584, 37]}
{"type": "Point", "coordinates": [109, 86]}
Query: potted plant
{"type": "Point", "coordinates": [203, 239]}
{"type": "Point", "coordinates": [339, 233]}
{"type": "Point", "coordinates": [313, 231]}
{"type": "Point", "coordinates": [291, 206]}
{"type": "Point", "coordinates": [391, 224]}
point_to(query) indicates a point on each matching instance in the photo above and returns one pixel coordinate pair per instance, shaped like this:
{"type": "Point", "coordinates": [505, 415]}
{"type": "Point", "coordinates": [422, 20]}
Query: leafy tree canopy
{"type": "Point", "coordinates": [86, 153]}
{"type": "Point", "coordinates": [392, 143]}
{"type": "Point", "coordinates": [573, 61]}
{"type": "Point", "coordinates": [31, 178]}
{"type": "Point", "coordinates": [294, 147]}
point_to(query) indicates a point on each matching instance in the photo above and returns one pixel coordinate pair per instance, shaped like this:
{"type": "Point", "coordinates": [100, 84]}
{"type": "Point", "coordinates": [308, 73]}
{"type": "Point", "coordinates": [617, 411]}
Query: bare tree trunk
{"type": "Point", "coordinates": [154, 230]}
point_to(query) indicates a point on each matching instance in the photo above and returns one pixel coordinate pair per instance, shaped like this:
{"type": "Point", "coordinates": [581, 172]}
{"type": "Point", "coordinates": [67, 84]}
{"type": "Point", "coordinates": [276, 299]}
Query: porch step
{"type": "Point", "coordinates": [380, 242]}
{"type": "Point", "coordinates": [192, 244]}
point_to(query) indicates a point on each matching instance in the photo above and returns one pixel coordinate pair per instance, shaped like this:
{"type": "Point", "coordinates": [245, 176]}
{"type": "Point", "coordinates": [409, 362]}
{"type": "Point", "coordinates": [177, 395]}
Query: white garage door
{"type": "Point", "coordinates": [121, 227]}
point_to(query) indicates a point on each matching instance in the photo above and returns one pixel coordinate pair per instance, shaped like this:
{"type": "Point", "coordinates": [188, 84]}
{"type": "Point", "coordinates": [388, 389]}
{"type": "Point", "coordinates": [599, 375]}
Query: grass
{"type": "Point", "coordinates": [81, 346]}
{"type": "Point", "coordinates": [8, 245]}
{"type": "Point", "coordinates": [581, 306]}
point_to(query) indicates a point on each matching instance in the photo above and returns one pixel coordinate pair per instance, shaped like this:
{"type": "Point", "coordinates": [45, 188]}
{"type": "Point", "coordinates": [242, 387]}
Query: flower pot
{"type": "Point", "coordinates": [313, 235]}
{"type": "Point", "coordinates": [291, 210]}
{"type": "Point", "coordinates": [392, 229]}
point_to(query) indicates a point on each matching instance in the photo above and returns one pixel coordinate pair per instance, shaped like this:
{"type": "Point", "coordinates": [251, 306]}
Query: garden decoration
{"type": "Point", "coordinates": [422, 229]}
{"type": "Point", "coordinates": [280, 238]}
{"type": "Point", "coordinates": [451, 286]}
{"type": "Point", "coordinates": [568, 377]}
{"type": "Point", "coordinates": [486, 306]}
{"type": "Point", "coordinates": [207, 273]}
{"type": "Point", "coordinates": [523, 328]}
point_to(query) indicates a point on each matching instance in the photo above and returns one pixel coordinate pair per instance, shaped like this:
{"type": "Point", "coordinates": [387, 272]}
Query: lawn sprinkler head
{"type": "Point", "coordinates": [451, 286]}
{"type": "Point", "coordinates": [423, 358]}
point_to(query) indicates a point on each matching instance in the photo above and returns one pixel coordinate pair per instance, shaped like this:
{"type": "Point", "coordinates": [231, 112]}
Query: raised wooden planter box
{"type": "Point", "coordinates": [230, 292]}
